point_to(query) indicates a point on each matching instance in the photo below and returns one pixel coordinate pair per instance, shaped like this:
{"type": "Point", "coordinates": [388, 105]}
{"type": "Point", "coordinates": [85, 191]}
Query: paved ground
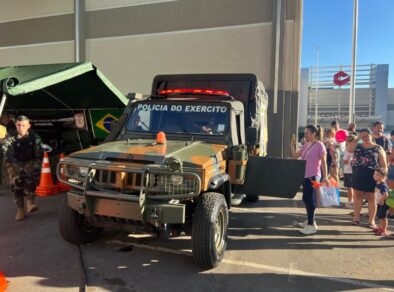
{"type": "Point", "coordinates": [265, 253]}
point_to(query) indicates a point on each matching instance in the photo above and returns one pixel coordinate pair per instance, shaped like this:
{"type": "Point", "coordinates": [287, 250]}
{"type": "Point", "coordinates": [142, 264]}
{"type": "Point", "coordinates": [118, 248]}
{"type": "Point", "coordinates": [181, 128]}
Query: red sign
{"type": "Point", "coordinates": [341, 78]}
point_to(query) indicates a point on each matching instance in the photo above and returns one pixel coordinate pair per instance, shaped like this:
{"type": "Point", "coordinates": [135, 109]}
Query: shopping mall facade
{"type": "Point", "coordinates": [325, 92]}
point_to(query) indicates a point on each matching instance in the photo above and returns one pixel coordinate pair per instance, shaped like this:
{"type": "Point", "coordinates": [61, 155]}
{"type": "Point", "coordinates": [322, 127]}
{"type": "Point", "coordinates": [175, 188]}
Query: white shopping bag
{"type": "Point", "coordinates": [328, 196]}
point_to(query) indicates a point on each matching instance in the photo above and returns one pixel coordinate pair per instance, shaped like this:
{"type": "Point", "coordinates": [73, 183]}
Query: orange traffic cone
{"type": "Point", "coordinates": [62, 187]}
{"type": "Point", "coordinates": [46, 186]}
{"type": "Point", "coordinates": [3, 282]}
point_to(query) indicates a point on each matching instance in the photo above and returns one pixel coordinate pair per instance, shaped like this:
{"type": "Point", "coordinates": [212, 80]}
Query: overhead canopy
{"type": "Point", "coordinates": [71, 86]}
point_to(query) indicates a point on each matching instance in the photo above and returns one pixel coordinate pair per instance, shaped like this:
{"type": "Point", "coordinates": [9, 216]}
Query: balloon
{"type": "Point", "coordinates": [390, 199]}
{"type": "Point", "coordinates": [390, 202]}
{"type": "Point", "coordinates": [341, 135]}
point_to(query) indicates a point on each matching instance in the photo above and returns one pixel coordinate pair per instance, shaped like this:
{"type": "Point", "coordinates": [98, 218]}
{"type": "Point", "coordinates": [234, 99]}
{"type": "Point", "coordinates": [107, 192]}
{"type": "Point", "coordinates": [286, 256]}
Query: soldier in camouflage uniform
{"type": "Point", "coordinates": [23, 156]}
{"type": "Point", "coordinates": [6, 122]}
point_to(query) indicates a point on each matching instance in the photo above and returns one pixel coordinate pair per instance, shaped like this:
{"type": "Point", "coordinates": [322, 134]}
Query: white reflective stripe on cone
{"type": "Point", "coordinates": [46, 160]}
{"type": "Point", "coordinates": [46, 170]}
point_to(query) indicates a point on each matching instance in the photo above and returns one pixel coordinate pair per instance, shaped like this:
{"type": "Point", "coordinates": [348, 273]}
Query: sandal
{"type": "Point", "coordinates": [382, 233]}
{"type": "Point", "coordinates": [372, 226]}
{"type": "Point", "coordinates": [356, 222]}
{"type": "Point", "coordinates": [378, 231]}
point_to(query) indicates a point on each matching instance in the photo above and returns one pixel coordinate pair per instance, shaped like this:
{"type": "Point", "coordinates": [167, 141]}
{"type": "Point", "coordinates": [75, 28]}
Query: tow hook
{"type": "Point", "coordinates": [154, 216]}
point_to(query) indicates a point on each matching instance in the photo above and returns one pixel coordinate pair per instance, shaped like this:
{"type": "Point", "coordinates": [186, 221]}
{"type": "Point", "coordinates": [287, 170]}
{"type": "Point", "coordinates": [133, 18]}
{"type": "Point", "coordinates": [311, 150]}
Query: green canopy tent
{"type": "Point", "coordinates": [58, 90]}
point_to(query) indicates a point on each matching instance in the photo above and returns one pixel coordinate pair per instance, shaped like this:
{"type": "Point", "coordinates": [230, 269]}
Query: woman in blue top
{"type": "Point", "coordinates": [367, 157]}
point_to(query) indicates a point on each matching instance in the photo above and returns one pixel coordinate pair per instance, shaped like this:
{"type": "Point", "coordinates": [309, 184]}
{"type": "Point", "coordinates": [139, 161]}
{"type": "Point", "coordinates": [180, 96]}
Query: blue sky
{"type": "Point", "coordinates": [329, 23]}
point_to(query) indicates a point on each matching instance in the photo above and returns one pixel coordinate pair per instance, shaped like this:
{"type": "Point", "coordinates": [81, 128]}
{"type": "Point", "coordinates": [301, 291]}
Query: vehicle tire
{"type": "Point", "coordinates": [252, 198]}
{"type": "Point", "coordinates": [74, 227]}
{"type": "Point", "coordinates": [209, 230]}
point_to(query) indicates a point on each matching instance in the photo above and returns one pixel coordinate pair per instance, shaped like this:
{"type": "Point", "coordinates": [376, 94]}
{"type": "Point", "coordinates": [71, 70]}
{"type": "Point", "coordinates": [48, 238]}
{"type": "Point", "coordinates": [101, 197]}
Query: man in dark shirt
{"type": "Point", "coordinates": [380, 138]}
{"type": "Point", "coordinates": [351, 129]}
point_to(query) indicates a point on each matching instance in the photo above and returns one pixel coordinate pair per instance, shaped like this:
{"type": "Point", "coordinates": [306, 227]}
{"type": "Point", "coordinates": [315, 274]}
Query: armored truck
{"type": "Point", "coordinates": [174, 162]}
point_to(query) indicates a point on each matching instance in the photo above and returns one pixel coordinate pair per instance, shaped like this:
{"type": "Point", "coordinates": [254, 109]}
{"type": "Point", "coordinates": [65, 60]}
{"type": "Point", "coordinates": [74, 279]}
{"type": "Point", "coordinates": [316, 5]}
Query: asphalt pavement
{"type": "Point", "coordinates": [265, 253]}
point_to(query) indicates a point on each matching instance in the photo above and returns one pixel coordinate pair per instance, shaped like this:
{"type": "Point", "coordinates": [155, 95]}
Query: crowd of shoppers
{"type": "Point", "coordinates": [365, 161]}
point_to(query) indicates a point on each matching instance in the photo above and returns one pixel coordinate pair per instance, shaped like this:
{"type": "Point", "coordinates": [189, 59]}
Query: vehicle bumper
{"type": "Point", "coordinates": [154, 212]}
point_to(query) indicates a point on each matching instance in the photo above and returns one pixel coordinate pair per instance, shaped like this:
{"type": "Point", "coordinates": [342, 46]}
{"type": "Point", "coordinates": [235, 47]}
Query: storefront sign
{"type": "Point", "coordinates": [341, 78]}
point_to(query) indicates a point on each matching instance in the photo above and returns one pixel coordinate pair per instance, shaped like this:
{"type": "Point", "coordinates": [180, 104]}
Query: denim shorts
{"type": "Point", "coordinates": [383, 211]}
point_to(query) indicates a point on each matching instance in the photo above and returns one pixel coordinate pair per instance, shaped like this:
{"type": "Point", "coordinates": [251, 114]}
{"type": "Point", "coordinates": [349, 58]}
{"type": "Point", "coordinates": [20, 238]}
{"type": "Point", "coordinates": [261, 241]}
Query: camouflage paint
{"type": "Point", "coordinates": [195, 154]}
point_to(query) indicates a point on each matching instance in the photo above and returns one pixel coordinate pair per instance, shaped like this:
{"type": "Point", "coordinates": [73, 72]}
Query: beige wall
{"type": "Point", "coordinates": [221, 50]}
{"type": "Point", "coordinates": [61, 52]}
{"type": "Point", "coordinates": [25, 9]}
{"type": "Point", "coordinates": [109, 4]}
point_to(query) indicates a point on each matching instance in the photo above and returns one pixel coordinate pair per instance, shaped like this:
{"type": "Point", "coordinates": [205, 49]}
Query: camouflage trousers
{"type": "Point", "coordinates": [24, 178]}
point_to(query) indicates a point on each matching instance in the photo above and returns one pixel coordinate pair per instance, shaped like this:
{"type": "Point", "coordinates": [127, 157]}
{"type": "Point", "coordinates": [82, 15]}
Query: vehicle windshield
{"type": "Point", "coordinates": [189, 118]}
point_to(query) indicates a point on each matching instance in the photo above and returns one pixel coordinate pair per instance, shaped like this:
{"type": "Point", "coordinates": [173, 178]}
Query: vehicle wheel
{"type": "Point", "coordinates": [209, 230]}
{"type": "Point", "coordinates": [252, 198]}
{"type": "Point", "coordinates": [74, 227]}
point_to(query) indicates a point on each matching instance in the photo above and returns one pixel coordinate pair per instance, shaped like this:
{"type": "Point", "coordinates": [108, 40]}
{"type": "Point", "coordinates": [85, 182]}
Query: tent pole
{"type": "Point", "coordinates": [91, 123]}
{"type": "Point", "coordinates": [79, 139]}
{"type": "Point", "coordinates": [2, 103]}
{"type": "Point", "coordinates": [58, 100]}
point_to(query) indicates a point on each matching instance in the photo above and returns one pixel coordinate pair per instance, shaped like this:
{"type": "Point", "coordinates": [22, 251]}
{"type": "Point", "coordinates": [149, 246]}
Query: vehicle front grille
{"type": "Point", "coordinates": [158, 184]}
{"type": "Point", "coordinates": [129, 181]}
{"type": "Point", "coordinates": [170, 184]}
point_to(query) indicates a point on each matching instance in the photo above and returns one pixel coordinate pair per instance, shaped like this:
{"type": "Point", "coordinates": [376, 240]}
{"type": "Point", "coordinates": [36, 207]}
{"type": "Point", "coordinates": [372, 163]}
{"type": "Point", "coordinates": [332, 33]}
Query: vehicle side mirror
{"type": "Point", "coordinates": [135, 96]}
{"type": "Point", "coordinates": [251, 136]}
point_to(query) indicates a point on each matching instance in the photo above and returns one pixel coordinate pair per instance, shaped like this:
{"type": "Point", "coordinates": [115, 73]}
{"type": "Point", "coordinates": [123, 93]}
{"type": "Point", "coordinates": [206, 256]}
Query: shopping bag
{"type": "Point", "coordinates": [328, 196]}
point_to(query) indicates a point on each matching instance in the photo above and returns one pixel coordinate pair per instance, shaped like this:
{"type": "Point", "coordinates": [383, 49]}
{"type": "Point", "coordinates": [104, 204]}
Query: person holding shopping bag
{"type": "Point", "coordinates": [367, 157]}
{"type": "Point", "coordinates": [314, 153]}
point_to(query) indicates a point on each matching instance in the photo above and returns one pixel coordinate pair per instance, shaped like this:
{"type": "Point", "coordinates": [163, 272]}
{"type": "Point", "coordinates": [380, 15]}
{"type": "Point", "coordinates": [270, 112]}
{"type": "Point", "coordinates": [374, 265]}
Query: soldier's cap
{"type": "Point", "coordinates": [22, 118]}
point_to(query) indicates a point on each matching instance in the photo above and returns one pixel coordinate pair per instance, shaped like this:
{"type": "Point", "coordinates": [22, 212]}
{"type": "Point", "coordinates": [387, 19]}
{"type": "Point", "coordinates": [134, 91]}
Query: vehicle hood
{"type": "Point", "coordinates": [192, 154]}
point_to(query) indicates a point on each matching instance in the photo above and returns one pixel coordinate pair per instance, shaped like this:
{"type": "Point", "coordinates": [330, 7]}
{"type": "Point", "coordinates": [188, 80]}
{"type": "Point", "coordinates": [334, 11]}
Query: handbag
{"type": "Point", "coordinates": [328, 196]}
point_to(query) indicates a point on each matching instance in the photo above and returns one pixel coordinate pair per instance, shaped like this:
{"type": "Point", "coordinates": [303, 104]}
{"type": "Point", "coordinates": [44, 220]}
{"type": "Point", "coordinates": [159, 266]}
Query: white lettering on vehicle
{"type": "Point", "coordinates": [185, 108]}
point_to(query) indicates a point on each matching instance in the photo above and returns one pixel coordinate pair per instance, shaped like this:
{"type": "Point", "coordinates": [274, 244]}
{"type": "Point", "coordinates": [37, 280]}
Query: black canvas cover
{"type": "Point", "coordinates": [243, 87]}
{"type": "Point", "coordinates": [273, 177]}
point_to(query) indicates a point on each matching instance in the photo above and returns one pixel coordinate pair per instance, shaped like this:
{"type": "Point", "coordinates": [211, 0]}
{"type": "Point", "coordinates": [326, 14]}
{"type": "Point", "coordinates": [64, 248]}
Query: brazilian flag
{"type": "Point", "coordinates": [103, 120]}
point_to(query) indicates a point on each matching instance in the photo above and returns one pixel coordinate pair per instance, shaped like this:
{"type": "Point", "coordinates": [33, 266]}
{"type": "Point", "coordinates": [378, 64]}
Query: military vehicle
{"type": "Point", "coordinates": [174, 161]}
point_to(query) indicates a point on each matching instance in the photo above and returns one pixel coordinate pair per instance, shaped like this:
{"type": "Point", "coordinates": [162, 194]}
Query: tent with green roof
{"type": "Point", "coordinates": [52, 92]}
{"type": "Point", "coordinates": [70, 86]}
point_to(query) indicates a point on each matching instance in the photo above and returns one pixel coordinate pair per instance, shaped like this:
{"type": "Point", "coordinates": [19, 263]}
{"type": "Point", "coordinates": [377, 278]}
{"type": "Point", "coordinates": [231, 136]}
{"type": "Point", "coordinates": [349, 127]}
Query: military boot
{"type": "Point", "coordinates": [20, 214]}
{"type": "Point", "coordinates": [31, 206]}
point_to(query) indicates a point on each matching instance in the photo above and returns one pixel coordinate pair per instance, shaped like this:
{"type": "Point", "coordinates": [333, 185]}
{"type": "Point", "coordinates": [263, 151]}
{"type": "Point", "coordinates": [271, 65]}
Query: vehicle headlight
{"type": "Point", "coordinates": [83, 171]}
{"type": "Point", "coordinates": [174, 164]}
{"type": "Point", "coordinates": [176, 180]}
{"type": "Point", "coordinates": [71, 170]}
